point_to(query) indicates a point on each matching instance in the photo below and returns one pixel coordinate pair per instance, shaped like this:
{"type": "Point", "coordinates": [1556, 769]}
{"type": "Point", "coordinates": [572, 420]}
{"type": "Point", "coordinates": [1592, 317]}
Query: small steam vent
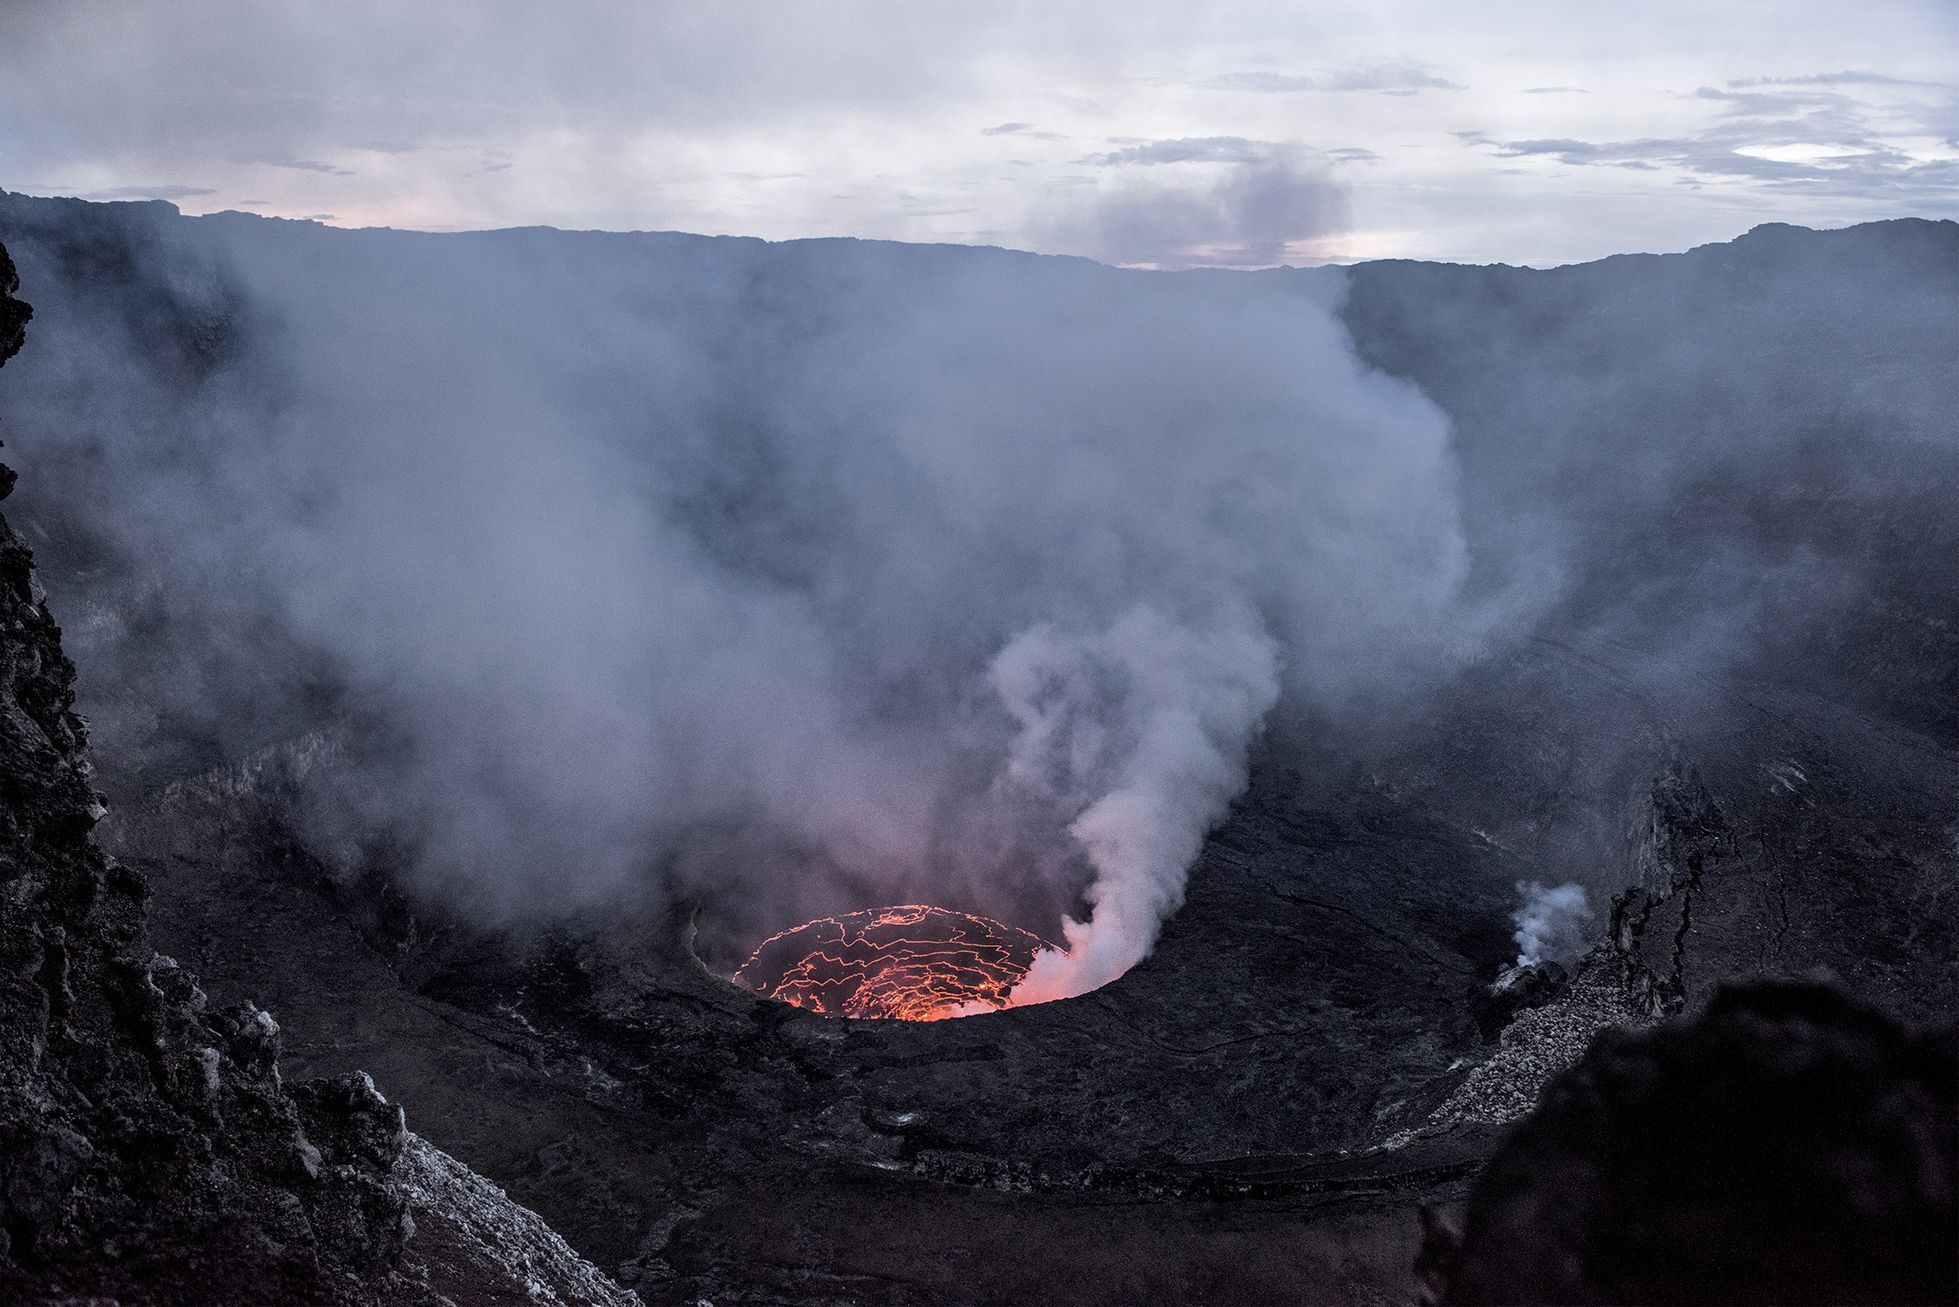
{"type": "Point", "coordinates": [905, 963]}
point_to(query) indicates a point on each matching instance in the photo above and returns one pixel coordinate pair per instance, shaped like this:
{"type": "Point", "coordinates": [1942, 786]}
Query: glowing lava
{"type": "Point", "coordinates": [905, 963]}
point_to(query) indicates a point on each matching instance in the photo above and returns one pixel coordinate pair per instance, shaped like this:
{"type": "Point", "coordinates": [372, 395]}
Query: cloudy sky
{"type": "Point", "coordinates": [1132, 131]}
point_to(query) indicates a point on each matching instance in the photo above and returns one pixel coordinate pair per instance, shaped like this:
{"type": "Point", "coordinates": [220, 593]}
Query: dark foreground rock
{"type": "Point", "coordinates": [1789, 1146]}
{"type": "Point", "coordinates": [149, 1152]}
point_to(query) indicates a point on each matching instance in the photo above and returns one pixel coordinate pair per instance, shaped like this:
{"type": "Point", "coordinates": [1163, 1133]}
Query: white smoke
{"type": "Point", "coordinates": [800, 578]}
{"type": "Point", "coordinates": [1550, 922]}
{"type": "Point", "coordinates": [1186, 704]}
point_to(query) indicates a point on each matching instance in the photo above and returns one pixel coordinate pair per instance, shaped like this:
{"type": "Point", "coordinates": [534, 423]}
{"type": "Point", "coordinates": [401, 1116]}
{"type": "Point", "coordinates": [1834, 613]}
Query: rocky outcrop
{"type": "Point", "coordinates": [149, 1151]}
{"type": "Point", "coordinates": [14, 312]}
{"type": "Point", "coordinates": [476, 1248]}
{"type": "Point", "coordinates": [1790, 1145]}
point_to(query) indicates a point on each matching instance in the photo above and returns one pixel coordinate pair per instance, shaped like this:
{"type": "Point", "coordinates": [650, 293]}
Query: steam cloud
{"type": "Point", "coordinates": [1240, 211]}
{"type": "Point", "coordinates": [1146, 797]}
{"type": "Point", "coordinates": [1550, 922]}
{"type": "Point", "coordinates": [800, 577]}
{"type": "Point", "coordinates": [795, 579]}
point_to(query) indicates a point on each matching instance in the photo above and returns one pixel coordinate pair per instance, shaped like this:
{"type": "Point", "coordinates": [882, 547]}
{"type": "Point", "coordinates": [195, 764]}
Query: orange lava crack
{"type": "Point", "coordinates": [910, 962]}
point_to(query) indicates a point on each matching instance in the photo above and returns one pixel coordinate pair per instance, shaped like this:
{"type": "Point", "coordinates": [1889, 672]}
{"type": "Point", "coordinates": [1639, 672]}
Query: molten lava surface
{"type": "Point", "coordinates": [906, 963]}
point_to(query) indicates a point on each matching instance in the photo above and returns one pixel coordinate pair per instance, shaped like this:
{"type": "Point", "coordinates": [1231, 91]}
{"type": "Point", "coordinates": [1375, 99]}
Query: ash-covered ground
{"type": "Point", "coordinates": [1705, 505]}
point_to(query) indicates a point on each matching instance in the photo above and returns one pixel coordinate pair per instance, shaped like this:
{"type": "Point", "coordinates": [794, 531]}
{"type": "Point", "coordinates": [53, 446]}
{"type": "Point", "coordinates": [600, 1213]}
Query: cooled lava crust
{"type": "Point", "coordinates": [906, 963]}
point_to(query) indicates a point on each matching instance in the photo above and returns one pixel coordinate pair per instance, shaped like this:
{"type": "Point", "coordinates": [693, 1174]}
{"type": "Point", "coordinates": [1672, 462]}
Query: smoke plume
{"type": "Point", "coordinates": [1144, 793]}
{"type": "Point", "coordinates": [799, 577]}
{"type": "Point", "coordinates": [1550, 922]}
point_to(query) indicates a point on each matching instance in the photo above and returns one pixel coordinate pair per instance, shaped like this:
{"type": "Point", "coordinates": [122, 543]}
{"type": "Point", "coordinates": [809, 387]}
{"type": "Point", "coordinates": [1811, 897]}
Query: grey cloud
{"type": "Point", "coordinates": [1797, 116]}
{"type": "Point", "coordinates": [1246, 217]}
{"type": "Point", "coordinates": [1565, 148]}
{"type": "Point", "coordinates": [1873, 169]}
{"type": "Point", "coordinates": [1642, 153]}
{"type": "Point", "coordinates": [1190, 149]}
{"type": "Point", "coordinates": [1266, 82]}
{"type": "Point", "coordinates": [1556, 90]}
{"type": "Point", "coordinates": [304, 165]}
{"type": "Point", "coordinates": [1023, 132]}
{"type": "Point", "coordinates": [1772, 102]}
{"type": "Point", "coordinates": [171, 192]}
{"type": "Point", "coordinates": [1750, 121]}
{"type": "Point", "coordinates": [401, 76]}
{"type": "Point", "coordinates": [1846, 78]}
{"type": "Point", "coordinates": [1352, 154]}
{"type": "Point", "coordinates": [1391, 78]}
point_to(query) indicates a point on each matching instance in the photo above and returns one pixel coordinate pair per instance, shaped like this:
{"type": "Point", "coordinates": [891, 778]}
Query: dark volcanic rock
{"type": "Point", "coordinates": [1516, 989]}
{"type": "Point", "coordinates": [142, 1158]}
{"type": "Point", "coordinates": [14, 316]}
{"type": "Point", "coordinates": [1788, 1146]}
{"type": "Point", "coordinates": [14, 312]}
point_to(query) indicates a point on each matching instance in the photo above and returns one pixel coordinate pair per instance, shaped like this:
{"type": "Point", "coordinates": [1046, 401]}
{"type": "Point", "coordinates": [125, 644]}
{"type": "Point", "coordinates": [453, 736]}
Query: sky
{"type": "Point", "coordinates": [1132, 131]}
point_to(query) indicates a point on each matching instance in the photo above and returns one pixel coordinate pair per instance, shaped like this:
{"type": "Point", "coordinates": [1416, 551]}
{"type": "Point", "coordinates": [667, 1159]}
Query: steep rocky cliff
{"type": "Point", "coordinates": [149, 1151]}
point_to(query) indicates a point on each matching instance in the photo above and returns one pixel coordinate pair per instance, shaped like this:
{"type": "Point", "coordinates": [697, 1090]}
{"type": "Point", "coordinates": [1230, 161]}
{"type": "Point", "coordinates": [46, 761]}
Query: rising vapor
{"type": "Point", "coordinates": [795, 577]}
